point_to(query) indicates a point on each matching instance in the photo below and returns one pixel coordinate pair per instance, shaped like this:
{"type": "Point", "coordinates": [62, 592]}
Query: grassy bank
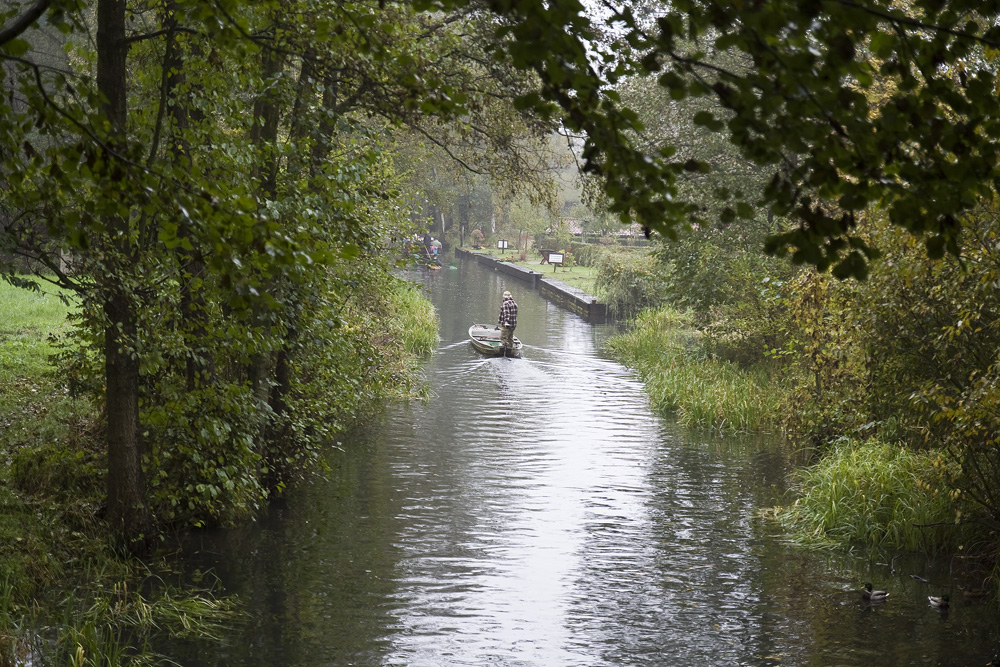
{"type": "Point", "coordinates": [27, 321]}
{"type": "Point", "coordinates": [879, 495]}
{"type": "Point", "coordinates": [39, 534]}
{"type": "Point", "coordinates": [861, 491]}
{"type": "Point", "coordinates": [50, 481]}
{"type": "Point", "coordinates": [65, 596]}
{"type": "Point", "coordinates": [581, 277]}
{"type": "Point", "coordinates": [683, 382]}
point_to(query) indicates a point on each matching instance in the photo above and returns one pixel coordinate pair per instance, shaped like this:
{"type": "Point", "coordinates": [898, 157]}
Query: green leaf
{"type": "Point", "coordinates": [17, 47]}
{"type": "Point", "coordinates": [708, 120]}
{"type": "Point", "coordinates": [883, 44]}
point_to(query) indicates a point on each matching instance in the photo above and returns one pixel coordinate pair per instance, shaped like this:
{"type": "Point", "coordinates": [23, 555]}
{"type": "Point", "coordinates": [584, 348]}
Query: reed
{"type": "Point", "coordinates": [13, 645]}
{"type": "Point", "coordinates": [878, 494]}
{"type": "Point", "coordinates": [699, 391]}
{"type": "Point", "coordinates": [122, 624]}
{"type": "Point", "coordinates": [417, 319]}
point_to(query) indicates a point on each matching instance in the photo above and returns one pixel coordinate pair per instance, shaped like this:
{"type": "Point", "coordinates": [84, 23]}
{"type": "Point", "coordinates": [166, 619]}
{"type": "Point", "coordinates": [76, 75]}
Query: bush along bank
{"type": "Point", "coordinates": [685, 383]}
{"type": "Point", "coordinates": [879, 495]}
{"type": "Point", "coordinates": [860, 491]}
{"type": "Point", "coordinates": [66, 595]}
{"type": "Point", "coordinates": [902, 366]}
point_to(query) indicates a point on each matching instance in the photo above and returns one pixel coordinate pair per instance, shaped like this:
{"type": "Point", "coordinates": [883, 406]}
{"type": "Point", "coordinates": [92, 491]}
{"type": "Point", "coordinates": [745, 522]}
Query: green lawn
{"type": "Point", "coordinates": [27, 320]}
{"type": "Point", "coordinates": [36, 415]}
{"type": "Point", "coordinates": [580, 277]}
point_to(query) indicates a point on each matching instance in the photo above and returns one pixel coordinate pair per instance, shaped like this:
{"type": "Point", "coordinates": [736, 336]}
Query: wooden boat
{"type": "Point", "coordinates": [486, 340]}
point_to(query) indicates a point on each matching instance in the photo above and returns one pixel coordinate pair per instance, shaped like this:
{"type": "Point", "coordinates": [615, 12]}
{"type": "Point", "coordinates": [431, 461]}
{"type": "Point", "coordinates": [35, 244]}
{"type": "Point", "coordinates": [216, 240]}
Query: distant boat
{"type": "Point", "coordinates": [486, 340]}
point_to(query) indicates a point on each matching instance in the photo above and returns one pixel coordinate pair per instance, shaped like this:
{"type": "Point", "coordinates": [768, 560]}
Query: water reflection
{"type": "Point", "coordinates": [534, 512]}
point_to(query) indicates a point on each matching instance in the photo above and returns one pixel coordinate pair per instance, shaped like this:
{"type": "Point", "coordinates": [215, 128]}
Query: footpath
{"type": "Point", "coordinates": [571, 298]}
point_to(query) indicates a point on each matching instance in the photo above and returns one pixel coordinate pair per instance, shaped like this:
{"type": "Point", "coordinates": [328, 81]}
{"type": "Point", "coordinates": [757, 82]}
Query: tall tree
{"type": "Point", "coordinates": [127, 509]}
{"type": "Point", "coordinates": [197, 254]}
{"type": "Point", "coordinates": [927, 154]}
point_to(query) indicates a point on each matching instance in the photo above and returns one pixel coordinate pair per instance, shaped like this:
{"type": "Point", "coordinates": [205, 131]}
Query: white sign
{"type": "Point", "coordinates": [555, 258]}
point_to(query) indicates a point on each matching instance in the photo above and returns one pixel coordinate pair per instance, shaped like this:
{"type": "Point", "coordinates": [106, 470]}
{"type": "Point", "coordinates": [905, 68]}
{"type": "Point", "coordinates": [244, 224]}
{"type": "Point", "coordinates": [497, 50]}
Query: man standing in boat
{"type": "Point", "coordinates": [507, 321]}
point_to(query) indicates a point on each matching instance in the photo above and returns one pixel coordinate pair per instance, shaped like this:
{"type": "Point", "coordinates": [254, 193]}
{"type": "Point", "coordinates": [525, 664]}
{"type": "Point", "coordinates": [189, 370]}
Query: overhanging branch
{"type": "Point", "coordinates": [24, 21]}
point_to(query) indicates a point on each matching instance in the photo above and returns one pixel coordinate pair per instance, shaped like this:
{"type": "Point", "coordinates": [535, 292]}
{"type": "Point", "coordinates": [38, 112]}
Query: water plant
{"type": "Point", "coordinates": [879, 494]}
{"type": "Point", "coordinates": [416, 324]}
{"type": "Point", "coordinates": [124, 621]}
{"type": "Point", "coordinates": [698, 390]}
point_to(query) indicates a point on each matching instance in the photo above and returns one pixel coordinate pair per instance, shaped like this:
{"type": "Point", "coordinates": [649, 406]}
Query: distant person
{"type": "Point", "coordinates": [507, 321]}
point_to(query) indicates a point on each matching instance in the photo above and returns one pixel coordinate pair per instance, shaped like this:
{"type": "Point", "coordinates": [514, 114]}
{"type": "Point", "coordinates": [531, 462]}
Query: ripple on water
{"type": "Point", "coordinates": [534, 512]}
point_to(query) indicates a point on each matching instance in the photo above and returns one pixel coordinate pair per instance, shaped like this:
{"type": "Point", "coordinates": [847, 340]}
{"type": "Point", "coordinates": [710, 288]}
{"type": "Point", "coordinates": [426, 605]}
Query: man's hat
{"type": "Point", "coordinates": [507, 295]}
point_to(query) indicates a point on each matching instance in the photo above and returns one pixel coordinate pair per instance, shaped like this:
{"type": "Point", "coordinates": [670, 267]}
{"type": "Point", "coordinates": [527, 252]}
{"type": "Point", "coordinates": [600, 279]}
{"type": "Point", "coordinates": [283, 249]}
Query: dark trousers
{"type": "Point", "coordinates": [507, 337]}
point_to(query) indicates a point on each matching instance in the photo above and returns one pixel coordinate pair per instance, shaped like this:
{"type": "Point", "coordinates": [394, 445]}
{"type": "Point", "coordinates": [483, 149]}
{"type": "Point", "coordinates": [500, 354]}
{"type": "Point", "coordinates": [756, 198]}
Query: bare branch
{"type": "Point", "coordinates": [447, 150]}
{"type": "Point", "coordinates": [24, 21]}
{"type": "Point", "coordinates": [918, 24]}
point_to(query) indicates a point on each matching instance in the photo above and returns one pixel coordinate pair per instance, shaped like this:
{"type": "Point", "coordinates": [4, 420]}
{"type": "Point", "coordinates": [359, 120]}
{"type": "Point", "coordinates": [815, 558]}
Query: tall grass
{"type": "Point", "coordinates": [682, 381]}
{"type": "Point", "coordinates": [417, 321]}
{"type": "Point", "coordinates": [879, 494]}
{"type": "Point", "coordinates": [120, 625]}
{"type": "Point", "coordinates": [14, 648]}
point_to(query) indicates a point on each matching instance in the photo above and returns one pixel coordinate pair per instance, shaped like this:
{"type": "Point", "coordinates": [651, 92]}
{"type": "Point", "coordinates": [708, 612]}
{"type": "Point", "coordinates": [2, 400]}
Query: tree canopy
{"type": "Point", "coordinates": [217, 184]}
{"type": "Point", "coordinates": [848, 104]}
{"type": "Point", "coordinates": [208, 176]}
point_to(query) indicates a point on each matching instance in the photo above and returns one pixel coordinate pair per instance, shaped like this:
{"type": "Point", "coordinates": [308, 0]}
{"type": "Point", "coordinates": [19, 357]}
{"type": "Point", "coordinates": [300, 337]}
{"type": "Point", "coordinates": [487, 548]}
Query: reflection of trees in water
{"type": "Point", "coordinates": [321, 557]}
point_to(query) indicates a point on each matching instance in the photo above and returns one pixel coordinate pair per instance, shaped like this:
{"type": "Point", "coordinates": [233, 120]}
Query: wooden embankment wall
{"type": "Point", "coordinates": [571, 298]}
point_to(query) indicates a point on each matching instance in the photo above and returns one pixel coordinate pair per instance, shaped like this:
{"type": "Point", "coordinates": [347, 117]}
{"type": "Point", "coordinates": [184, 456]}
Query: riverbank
{"type": "Point", "coordinates": [691, 387]}
{"type": "Point", "coordinates": [570, 296]}
{"type": "Point", "coordinates": [57, 569]}
{"type": "Point", "coordinates": [858, 490]}
{"type": "Point", "coordinates": [583, 278]}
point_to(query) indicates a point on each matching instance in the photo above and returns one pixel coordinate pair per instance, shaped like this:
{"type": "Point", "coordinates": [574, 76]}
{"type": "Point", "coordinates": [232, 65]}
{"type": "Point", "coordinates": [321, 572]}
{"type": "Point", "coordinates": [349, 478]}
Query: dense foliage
{"type": "Point", "coordinates": [821, 96]}
{"type": "Point", "coordinates": [907, 357]}
{"type": "Point", "coordinates": [215, 185]}
{"type": "Point", "coordinates": [628, 282]}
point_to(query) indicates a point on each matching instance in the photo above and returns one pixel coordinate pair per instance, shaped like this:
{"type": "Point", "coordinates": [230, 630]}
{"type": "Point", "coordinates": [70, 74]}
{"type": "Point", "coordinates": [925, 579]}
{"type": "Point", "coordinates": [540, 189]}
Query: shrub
{"type": "Point", "coordinates": [629, 282]}
{"type": "Point", "coordinates": [586, 254]}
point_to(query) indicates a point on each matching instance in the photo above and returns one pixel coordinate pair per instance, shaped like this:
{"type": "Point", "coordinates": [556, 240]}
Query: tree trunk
{"type": "Point", "coordinates": [264, 132]}
{"type": "Point", "coordinates": [464, 206]}
{"type": "Point", "coordinates": [128, 514]}
{"type": "Point", "coordinates": [263, 135]}
{"type": "Point", "coordinates": [200, 364]}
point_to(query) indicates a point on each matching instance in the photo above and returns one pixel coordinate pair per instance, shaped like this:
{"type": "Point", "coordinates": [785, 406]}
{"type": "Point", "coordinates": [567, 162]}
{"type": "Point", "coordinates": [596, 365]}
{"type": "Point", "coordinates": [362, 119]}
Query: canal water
{"type": "Point", "coordinates": [534, 513]}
